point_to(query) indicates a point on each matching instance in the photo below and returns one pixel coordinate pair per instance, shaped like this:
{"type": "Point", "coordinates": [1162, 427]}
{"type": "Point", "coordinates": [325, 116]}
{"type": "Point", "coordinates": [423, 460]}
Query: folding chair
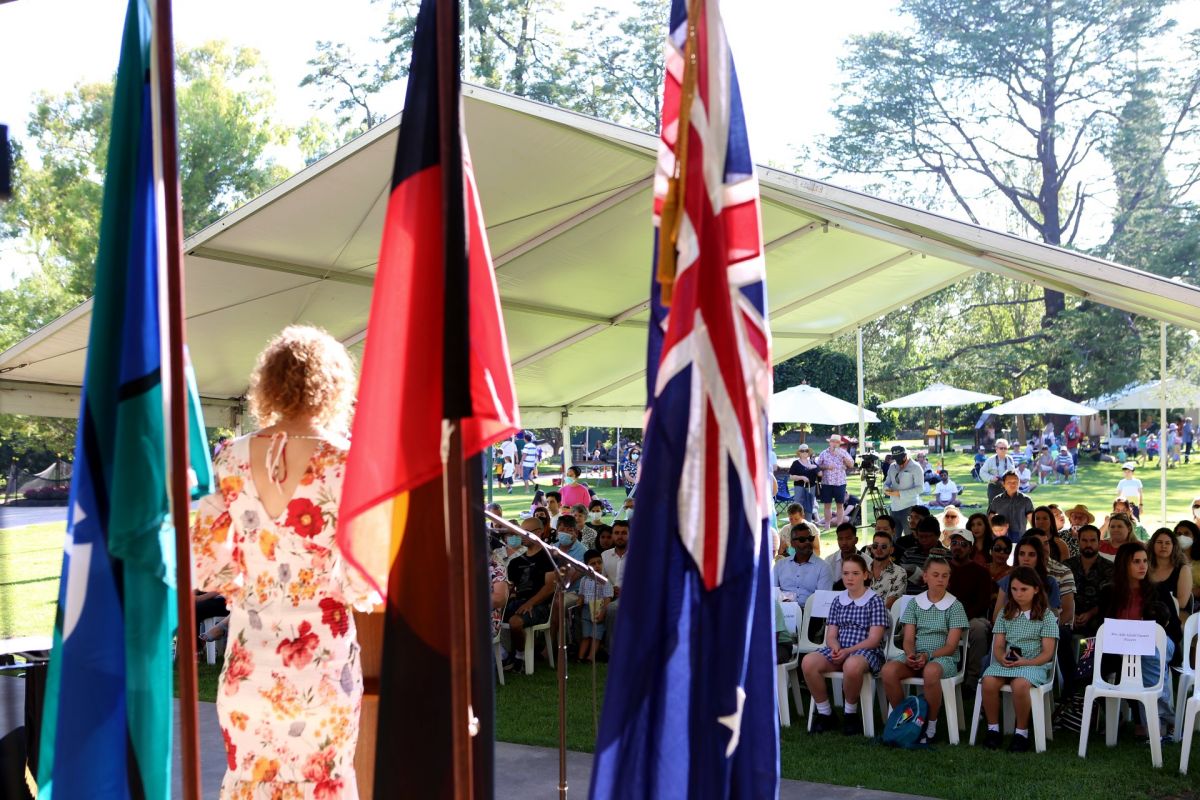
{"type": "Point", "coordinates": [210, 648]}
{"type": "Point", "coordinates": [1129, 688]}
{"type": "Point", "coordinates": [1187, 672]}
{"type": "Point", "coordinates": [782, 498]}
{"type": "Point", "coordinates": [1041, 707]}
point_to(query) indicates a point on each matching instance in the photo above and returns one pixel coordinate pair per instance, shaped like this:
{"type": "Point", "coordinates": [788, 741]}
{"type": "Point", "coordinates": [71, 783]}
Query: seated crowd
{"type": "Point", "coordinates": [1026, 587]}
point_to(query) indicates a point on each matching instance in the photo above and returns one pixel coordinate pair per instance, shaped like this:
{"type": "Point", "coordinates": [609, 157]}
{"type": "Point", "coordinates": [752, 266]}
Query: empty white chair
{"type": "Point", "coordinates": [1187, 672]}
{"type": "Point", "coordinates": [1128, 687]}
{"type": "Point", "coordinates": [1041, 709]}
{"type": "Point", "coordinates": [815, 607]}
{"type": "Point", "coordinates": [210, 648]}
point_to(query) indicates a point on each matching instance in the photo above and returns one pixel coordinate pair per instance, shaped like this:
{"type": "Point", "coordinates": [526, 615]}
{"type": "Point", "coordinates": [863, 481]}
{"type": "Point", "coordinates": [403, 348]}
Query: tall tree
{"type": "Point", "coordinates": [1002, 102]}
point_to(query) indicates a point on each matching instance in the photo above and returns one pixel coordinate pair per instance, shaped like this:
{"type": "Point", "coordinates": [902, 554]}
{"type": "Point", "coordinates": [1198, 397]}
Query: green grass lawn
{"type": "Point", "coordinates": [526, 713]}
{"type": "Point", "coordinates": [30, 562]}
{"type": "Point", "coordinates": [526, 708]}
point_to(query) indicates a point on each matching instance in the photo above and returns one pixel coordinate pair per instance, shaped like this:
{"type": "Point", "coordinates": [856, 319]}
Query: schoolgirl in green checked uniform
{"type": "Point", "coordinates": [933, 622]}
{"type": "Point", "coordinates": [1023, 640]}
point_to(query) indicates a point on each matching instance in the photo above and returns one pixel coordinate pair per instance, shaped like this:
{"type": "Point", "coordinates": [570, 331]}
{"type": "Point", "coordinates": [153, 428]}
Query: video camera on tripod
{"type": "Point", "coordinates": [869, 470]}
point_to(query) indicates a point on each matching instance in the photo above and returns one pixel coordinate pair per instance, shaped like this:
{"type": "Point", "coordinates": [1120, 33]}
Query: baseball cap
{"type": "Point", "coordinates": [962, 532]}
{"type": "Point", "coordinates": [1130, 465]}
{"type": "Point", "coordinates": [898, 450]}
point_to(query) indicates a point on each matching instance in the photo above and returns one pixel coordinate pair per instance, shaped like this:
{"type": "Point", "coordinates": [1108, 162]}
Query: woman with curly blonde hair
{"type": "Point", "coordinates": [291, 688]}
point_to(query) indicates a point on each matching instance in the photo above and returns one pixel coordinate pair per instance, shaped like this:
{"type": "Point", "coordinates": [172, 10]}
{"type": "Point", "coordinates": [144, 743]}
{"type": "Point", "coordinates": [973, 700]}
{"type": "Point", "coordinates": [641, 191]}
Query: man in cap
{"type": "Point", "coordinates": [972, 584]}
{"type": "Point", "coordinates": [833, 463]}
{"type": "Point", "coordinates": [903, 485]}
{"type": "Point", "coordinates": [994, 468]}
{"type": "Point", "coordinates": [1073, 435]}
{"type": "Point", "coordinates": [1130, 488]}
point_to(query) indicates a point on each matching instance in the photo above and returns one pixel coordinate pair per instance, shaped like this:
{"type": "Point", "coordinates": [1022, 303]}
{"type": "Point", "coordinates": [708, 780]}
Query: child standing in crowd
{"type": "Point", "coordinates": [594, 597]}
{"type": "Point", "coordinates": [1024, 638]}
{"type": "Point", "coordinates": [506, 477]}
{"type": "Point", "coordinates": [854, 634]}
{"type": "Point", "coordinates": [933, 622]}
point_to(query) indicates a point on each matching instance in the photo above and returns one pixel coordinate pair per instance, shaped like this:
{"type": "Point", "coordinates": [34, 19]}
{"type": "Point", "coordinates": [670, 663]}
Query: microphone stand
{"type": "Point", "coordinates": [557, 557]}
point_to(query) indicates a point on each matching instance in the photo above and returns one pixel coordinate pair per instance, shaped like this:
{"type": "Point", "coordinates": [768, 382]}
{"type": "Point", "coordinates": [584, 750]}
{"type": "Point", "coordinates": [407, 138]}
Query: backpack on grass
{"type": "Point", "coordinates": [906, 723]}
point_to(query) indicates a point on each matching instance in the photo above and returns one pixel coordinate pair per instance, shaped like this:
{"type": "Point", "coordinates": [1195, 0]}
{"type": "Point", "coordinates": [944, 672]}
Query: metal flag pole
{"type": "Point", "coordinates": [163, 75]}
{"type": "Point", "coordinates": [1162, 422]}
{"type": "Point", "coordinates": [561, 561]}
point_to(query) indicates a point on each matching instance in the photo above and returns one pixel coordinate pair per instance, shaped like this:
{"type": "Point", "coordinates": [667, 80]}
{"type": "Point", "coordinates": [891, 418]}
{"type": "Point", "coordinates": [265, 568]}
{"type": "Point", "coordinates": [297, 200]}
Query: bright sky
{"type": "Point", "coordinates": [786, 53]}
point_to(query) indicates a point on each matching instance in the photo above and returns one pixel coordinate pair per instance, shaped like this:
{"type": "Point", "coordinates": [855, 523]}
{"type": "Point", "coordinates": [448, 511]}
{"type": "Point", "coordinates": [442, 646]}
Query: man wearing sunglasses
{"type": "Point", "coordinates": [802, 574]}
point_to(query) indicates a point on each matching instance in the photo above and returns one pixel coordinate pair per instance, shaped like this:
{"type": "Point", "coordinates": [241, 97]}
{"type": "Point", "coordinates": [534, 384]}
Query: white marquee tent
{"type": "Point", "coordinates": [567, 202]}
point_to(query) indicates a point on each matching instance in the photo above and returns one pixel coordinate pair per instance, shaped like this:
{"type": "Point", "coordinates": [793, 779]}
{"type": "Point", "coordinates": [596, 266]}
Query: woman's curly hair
{"type": "Point", "coordinates": [303, 371]}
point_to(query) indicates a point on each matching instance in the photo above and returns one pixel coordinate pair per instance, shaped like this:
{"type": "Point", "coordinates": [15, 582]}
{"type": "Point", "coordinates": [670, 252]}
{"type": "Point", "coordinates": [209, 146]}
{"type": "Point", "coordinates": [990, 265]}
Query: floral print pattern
{"type": "Point", "coordinates": [291, 688]}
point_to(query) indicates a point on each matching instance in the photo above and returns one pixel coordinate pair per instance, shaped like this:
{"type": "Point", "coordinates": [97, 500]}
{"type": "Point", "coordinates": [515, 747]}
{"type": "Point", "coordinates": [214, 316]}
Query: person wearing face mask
{"type": "Point", "coordinates": [595, 516]}
{"type": "Point", "coordinates": [574, 491]}
{"type": "Point", "coordinates": [903, 484]}
{"type": "Point", "coordinates": [507, 551]}
{"type": "Point", "coordinates": [531, 576]}
{"type": "Point", "coordinates": [629, 470]}
{"type": "Point", "coordinates": [568, 538]}
{"type": "Point", "coordinates": [583, 532]}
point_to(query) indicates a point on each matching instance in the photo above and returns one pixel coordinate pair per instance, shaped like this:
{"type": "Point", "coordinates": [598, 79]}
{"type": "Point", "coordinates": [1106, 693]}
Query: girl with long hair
{"type": "Point", "coordinates": [1031, 554]}
{"type": "Point", "coordinates": [1023, 641]}
{"type": "Point", "coordinates": [981, 528]}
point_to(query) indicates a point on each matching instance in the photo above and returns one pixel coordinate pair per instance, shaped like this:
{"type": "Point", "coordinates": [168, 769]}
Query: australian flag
{"type": "Point", "coordinates": [690, 704]}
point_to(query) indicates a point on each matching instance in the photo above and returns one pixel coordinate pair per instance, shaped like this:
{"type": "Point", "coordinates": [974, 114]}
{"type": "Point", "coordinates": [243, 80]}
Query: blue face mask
{"type": "Point", "coordinates": [513, 540]}
{"type": "Point", "coordinates": [565, 540]}
{"type": "Point", "coordinates": [791, 552]}
{"type": "Point", "coordinates": [568, 480]}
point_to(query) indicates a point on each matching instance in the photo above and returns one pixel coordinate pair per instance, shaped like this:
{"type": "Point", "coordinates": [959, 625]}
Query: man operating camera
{"type": "Point", "coordinates": [903, 485]}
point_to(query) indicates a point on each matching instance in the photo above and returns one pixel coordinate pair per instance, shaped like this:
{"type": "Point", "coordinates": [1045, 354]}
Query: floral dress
{"type": "Point", "coordinates": [291, 688]}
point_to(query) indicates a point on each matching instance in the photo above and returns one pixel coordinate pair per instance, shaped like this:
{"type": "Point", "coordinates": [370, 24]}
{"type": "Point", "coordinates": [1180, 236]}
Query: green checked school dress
{"type": "Point", "coordinates": [934, 621]}
{"type": "Point", "coordinates": [1027, 634]}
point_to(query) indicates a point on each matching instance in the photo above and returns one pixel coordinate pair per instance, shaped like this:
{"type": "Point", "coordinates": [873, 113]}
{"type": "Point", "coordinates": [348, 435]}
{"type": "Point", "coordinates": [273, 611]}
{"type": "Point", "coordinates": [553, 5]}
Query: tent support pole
{"type": "Point", "coordinates": [566, 437]}
{"type": "Point", "coordinates": [1162, 421]}
{"type": "Point", "coordinates": [491, 471]}
{"type": "Point", "coordinates": [617, 468]}
{"type": "Point", "coordinates": [862, 425]}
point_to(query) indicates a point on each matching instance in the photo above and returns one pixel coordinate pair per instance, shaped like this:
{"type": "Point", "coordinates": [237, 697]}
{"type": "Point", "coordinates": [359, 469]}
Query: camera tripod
{"type": "Point", "coordinates": [873, 499]}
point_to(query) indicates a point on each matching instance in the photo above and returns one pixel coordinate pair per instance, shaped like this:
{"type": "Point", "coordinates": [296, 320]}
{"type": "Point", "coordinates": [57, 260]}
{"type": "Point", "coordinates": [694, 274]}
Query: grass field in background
{"type": "Point", "coordinates": [30, 562]}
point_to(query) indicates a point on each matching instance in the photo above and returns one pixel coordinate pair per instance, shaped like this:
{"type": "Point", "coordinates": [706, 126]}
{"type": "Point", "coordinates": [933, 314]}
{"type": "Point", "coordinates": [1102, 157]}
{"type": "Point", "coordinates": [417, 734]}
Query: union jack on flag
{"type": "Point", "coordinates": [690, 700]}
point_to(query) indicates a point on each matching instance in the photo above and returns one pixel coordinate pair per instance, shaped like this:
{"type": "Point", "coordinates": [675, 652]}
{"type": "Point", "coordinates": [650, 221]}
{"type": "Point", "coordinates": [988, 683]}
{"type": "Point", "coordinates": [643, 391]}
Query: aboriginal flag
{"type": "Point", "coordinates": [435, 351]}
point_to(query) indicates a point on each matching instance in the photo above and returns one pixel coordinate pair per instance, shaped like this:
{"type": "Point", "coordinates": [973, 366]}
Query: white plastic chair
{"type": "Point", "coordinates": [498, 658]}
{"type": "Point", "coordinates": [210, 648]}
{"type": "Point", "coordinates": [866, 695]}
{"type": "Point", "coordinates": [1041, 708]}
{"type": "Point", "coordinates": [530, 636]}
{"type": "Point", "coordinates": [1128, 687]}
{"type": "Point", "coordinates": [952, 700]}
{"type": "Point", "coordinates": [1189, 720]}
{"type": "Point", "coordinates": [1187, 672]}
{"type": "Point", "coordinates": [804, 645]}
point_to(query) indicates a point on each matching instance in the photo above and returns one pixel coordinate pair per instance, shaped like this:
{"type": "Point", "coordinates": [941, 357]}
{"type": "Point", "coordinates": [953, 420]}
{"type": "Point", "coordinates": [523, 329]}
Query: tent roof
{"type": "Point", "coordinates": [567, 201]}
{"type": "Point", "coordinates": [1180, 394]}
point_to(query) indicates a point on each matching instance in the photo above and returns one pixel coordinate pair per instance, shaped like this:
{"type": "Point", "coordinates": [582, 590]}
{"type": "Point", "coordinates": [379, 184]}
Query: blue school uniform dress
{"type": "Point", "coordinates": [854, 620]}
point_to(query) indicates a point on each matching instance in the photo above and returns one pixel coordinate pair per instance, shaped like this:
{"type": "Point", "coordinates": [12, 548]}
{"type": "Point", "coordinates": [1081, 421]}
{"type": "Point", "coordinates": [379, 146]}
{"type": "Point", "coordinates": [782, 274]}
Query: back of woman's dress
{"type": "Point", "coordinates": [291, 688]}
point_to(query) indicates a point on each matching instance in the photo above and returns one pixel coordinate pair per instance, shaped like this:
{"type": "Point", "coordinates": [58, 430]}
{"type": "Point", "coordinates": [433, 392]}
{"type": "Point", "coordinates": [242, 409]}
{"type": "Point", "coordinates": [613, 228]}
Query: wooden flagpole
{"type": "Point", "coordinates": [164, 55]}
{"type": "Point", "coordinates": [456, 401]}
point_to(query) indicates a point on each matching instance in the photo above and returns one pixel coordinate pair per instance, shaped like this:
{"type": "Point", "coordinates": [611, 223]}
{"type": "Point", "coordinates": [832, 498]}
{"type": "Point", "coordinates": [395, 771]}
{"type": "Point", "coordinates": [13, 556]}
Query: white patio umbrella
{"type": "Point", "coordinates": [809, 404]}
{"type": "Point", "coordinates": [940, 396]}
{"type": "Point", "coordinates": [1180, 394]}
{"type": "Point", "coordinates": [1042, 401]}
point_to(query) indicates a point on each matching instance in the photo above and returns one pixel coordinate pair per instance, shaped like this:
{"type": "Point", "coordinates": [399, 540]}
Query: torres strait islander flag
{"type": "Point", "coordinates": [435, 345]}
{"type": "Point", "coordinates": [108, 710]}
{"type": "Point", "coordinates": [690, 705]}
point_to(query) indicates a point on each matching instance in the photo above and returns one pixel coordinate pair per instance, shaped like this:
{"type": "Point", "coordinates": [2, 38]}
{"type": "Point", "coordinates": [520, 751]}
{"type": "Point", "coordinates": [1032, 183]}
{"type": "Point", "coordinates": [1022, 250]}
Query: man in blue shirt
{"type": "Point", "coordinates": [802, 574]}
{"type": "Point", "coordinates": [903, 484]}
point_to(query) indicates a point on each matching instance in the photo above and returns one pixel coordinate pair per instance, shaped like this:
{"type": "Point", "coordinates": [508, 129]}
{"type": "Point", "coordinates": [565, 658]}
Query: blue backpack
{"type": "Point", "coordinates": [906, 723]}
